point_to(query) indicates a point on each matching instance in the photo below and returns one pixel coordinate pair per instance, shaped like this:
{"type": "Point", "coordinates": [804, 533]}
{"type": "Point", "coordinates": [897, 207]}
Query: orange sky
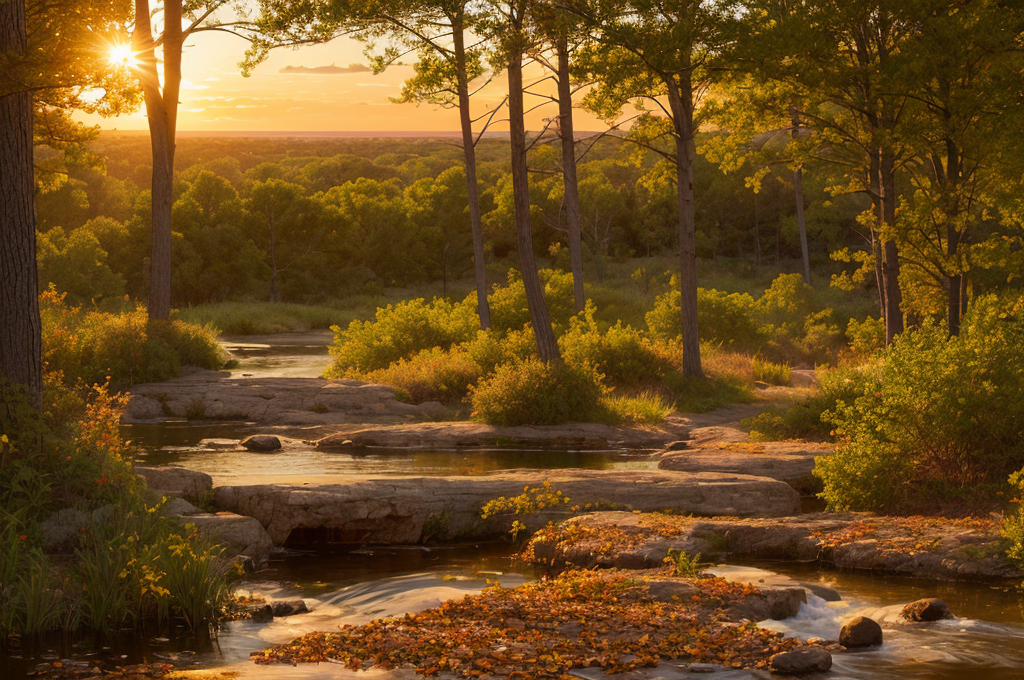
{"type": "Point", "coordinates": [215, 97]}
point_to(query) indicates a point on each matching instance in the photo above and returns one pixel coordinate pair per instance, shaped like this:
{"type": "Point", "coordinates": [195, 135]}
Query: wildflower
{"type": "Point", "coordinates": [23, 537]}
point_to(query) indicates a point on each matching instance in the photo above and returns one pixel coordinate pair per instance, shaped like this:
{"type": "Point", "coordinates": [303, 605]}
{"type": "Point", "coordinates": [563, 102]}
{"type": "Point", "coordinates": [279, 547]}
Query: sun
{"type": "Point", "coordinates": [123, 55]}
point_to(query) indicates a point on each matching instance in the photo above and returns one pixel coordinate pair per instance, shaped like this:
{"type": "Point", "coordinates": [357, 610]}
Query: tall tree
{"type": "Point", "coordinates": [840, 60]}
{"type": "Point", "coordinates": [20, 335]}
{"type": "Point", "coordinates": [661, 56]}
{"type": "Point", "coordinates": [509, 29]}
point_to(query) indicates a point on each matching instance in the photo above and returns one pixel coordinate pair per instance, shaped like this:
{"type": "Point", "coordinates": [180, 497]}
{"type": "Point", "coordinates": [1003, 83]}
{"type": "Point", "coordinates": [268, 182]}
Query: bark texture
{"type": "Point", "coordinates": [20, 335]}
{"type": "Point", "coordinates": [539, 317]}
{"type": "Point", "coordinates": [472, 189]}
{"type": "Point", "coordinates": [798, 188]}
{"type": "Point", "coordinates": [571, 191]}
{"type": "Point", "coordinates": [680, 98]}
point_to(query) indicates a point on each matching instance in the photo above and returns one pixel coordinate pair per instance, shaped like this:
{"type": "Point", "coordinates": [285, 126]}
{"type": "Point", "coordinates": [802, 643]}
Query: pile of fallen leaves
{"type": "Point", "coordinates": [543, 629]}
{"type": "Point", "coordinates": [603, 539]}
{"type": "Point", "coordinates": [913, 534]}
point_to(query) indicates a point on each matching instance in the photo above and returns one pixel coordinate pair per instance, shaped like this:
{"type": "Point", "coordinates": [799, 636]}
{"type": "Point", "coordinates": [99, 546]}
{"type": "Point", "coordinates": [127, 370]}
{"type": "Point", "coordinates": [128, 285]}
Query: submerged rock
{"type": "Point", "coordinates": [801, 661]}
{"type": "Point", "coordinates": [860, 631]}
{"type": "Point", "coordinates": [289, 607]}
{"type": "Point", "coordinates": [261, 443]}
{"type": "Point", "coordinates": [927, 609]}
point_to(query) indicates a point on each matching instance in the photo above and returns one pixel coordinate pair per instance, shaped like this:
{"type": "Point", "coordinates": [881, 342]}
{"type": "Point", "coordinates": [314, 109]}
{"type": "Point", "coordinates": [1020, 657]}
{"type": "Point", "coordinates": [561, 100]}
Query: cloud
{"type": "Point", "coordinates": [327, 70]}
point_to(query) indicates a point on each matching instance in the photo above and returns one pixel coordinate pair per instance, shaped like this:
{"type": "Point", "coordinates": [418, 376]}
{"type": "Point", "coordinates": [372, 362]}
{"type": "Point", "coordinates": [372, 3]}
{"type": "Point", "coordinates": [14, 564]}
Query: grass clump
{"type": "Point", "coordinates": [771, 372]}
{"type": "Point", "coordinates": [646, 408]}
{"type": "Point", "coordinates": [941, 422]}
{"type": "Point", "coordinates": [264, 318]}
{"type": "Point", "coordinates": [122, 348]}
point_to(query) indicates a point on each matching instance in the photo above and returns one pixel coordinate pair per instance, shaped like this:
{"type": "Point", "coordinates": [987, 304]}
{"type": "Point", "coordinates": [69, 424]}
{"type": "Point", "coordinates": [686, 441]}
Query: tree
{"type": "Point", "coordinates": [20, 334]}
{"type": "Point", "coordinates": [661, 57]}
{"type": "Point", "coordinates": [837, 62]}
{"type": "Point", "coordinates": [287, 224]}
{"type": "Point", "coordinates": [444, 71]}
{"type": "Point", "coordinates": [509, 30]}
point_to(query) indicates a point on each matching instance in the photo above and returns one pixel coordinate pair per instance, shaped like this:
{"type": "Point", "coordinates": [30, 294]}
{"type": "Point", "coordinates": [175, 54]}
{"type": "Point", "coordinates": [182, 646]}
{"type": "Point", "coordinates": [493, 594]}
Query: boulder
{"type": "Point", "coordinates": [289, 607]}
{"type": "Point", "coordinates": [179, 507]}
{"type": "Point", "coordinates": [261, 613]}
{"type": "Point", "coordinates": [168, 480]}
{"type": "Point", "coordinates": [61, 531]}
{"type": "Point", "coordinates": [769, 603]}
{"type": "Point", "coordinates": [242, 535]}
{"type": "Point", "coordinates": [860, 631]}
{"type": "Point", "coordinates": [927, 609]}
{"type": "Point", "coordinates": [801, 661]}
{"type": "Point", "coordinates": [406, 510]}
{"type": "Point", "coordinates": [261, 443]}
{"type": "Point", "coordinates": [826, 593]}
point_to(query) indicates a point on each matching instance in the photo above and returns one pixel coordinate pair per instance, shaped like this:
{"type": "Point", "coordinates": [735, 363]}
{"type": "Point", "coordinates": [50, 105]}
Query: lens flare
{"type": "Point", "coordinates": [122, 55]}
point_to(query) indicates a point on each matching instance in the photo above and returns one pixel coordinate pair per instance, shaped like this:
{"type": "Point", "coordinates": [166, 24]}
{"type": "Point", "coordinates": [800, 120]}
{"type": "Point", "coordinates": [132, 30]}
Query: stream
{"type": "Point", "coordinates": [986, 643]}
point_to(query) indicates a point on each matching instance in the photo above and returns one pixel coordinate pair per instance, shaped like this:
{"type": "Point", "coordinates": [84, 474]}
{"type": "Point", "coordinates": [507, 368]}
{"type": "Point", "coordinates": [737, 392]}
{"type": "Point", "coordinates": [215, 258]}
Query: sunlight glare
{"type": "Point", "coordinates": [122, 55]}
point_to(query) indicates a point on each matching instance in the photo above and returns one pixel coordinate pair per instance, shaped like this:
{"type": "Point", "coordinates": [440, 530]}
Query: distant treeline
{"type": "Point", "coordinates": [308, 220]}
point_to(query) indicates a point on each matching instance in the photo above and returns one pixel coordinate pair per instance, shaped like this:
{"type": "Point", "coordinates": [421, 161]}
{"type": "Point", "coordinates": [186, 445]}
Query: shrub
{"type": "Point", "coordinates": [770, 372]}
{"type": "Point", "coordinates": [724, 318]}
{"type": "Point", "coordinates": [1013, 522]}
{"type": "Point", "coordinates": [866, 337]}
{"type": "Point", "coordinates": [431, 375]}
{"type": "Point", "coordinates": [508, 303]}
{"type": "Point", "coordinates": [489, 350]}
{"type": "Point", "coordinates": [804, 419]}
{"type": "Point", "coordinates": [399, 332]}
{"type": "Point", "coordinates": [944, 424]}
{"type": "Point", "coordinates": [122, 349]}
{"type": "Point", "coordinates": [621, 354]}
{"type": "Point", "coordinates": [532, 392]}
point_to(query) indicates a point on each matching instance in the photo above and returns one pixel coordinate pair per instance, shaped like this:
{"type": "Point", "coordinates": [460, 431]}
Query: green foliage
{"type": "Point", "coordinates": [1013, 521]}
{"type": "Point", "coordinates": [399, 332]}
{"type": "Point", "coordinates": [531, 392]}
{"type": "Point", "coordinates": [432, 375]}
{"type": "Point", "coordinates": [700, 395]}
{"type": "Point", "coordinates": [770, 372]}
{"type": "Point", "coordinates": [530, 501]}
{"type": "Point", "coordinates": [688, 566]}
{"type": "Point", "coordinates": [508, 303]}
{"type": "Point", "coordinates": [942, 424]}
{"type": "Point", "coordinates": [866, 337]}
{"type": "Point", "coordinates": [76, 264]}
{"type": "Point", "coordinates": [120, 348]}
{"type": "Point", "coordinates": [837, 387]}
{"type": "Point", "coordinates": [621, 354]}
{"type": "Point", "coordinates": [131, 567]}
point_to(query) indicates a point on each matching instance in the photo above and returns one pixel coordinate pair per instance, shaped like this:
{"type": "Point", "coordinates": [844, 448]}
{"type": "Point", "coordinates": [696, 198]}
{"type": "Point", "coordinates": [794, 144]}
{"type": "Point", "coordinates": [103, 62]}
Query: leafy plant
{"type": "Point", "coordinates": [685, 564]}
{"type": "Point", "coordinates": [532, 392]}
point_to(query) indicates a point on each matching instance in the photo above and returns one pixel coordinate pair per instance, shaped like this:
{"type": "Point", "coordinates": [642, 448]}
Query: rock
{"type": "Point", "coordinates": [448, 435]}
{"type": "Point", "coordinates": [61, 531]}
{"type": "Point", "coordinates": [178, 507]}
{"type": "Point", "coordinates": [249, 565]}
{"type": "Point", "coordinates": [668, 591]}
{"type": "Point", "coordinates": [824, 592]}
{"type": "Point", "coordinates": [787, 461]}
{"type": "Point", "coordinates": [243, 535]}
{"type": "Point", "coordinates": [928, 609]}
{"type": "Point", "coordinates": [801, 661]}
{"type": "Point", "coordinates": [677, 446]}
{"type": "Point", "coordinates": [261, 613]}
{"type": "Point", "coordinates": [168, 480]}
{"type": "Point", "coordinates": [860, 631]}
{"type": "Point", "coordinates": [770, 603]}
{"type": "Point", "coordinates": [289, 607]}
{"type": "Point", "coordinates": [261, 443]}
{"type": "Point", "coordinates": [403, 510]}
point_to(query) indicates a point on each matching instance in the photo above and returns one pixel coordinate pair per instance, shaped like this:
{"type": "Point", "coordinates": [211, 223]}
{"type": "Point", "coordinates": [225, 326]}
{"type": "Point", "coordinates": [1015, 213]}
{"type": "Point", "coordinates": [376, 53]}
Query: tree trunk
{"type": "Point", "coordinates": [954, 284]}
{"type": "Point", "coordinates": [875, 191]}
{"type": "Point", "coordinates": [680, 98]}
{"type": "Point", "coordinates": [572, 194]}
{"type": "Point", "coordinates": [472, 189]}
{"type": "Point", "coordinates": [161, 112]}
{"type": "Point", "coordinates": [546, 345]}
{"type": "Point", "coordinates": [20, 334]}
{"type": "Point", "coordinates": [273, 265]}
{"type": "Point", "coordinates": [893, 296]}
{"type": "Point", "coordinates": [798, 187]}
{"type": "Point", "coordinates": [757, 236]}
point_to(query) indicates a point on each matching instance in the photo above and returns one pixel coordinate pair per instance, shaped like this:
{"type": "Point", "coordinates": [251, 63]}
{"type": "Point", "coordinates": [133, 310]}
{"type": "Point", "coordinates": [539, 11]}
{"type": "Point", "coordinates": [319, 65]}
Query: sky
{"type": "Point", "coordinates": [280, 96]}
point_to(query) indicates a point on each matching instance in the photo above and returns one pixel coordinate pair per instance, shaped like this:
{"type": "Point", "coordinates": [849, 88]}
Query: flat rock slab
{"type": "Point", "coordinates": [212, 395]}
{"type": "Point", "coordinates": [925, 547]}
{"type": "Point", "coordinates": [786, 461]}
{"type": "Point", "coordinates": [238, 534]}
{"type": "Point", "coordinates": [573, 436]}
{"type": "Point", "coordinates": [410, 510]}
